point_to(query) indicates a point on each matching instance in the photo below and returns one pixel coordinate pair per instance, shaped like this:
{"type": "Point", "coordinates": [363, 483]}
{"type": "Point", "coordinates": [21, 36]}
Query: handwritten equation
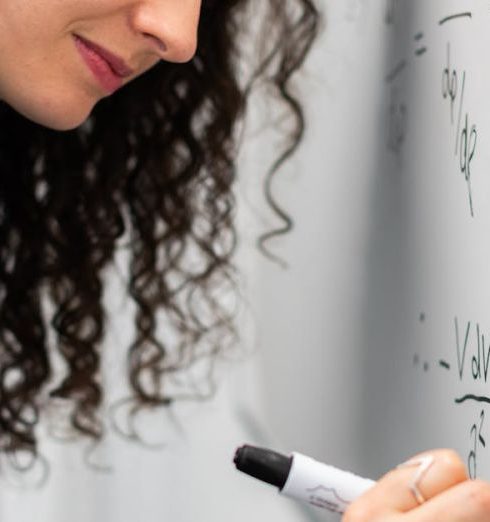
{"type": "Point", "coordinates": [470, 366]}
{"type": "Point", "coordinates": [453, 90]}
{"type": "Point", "coordinates": [455, 84]}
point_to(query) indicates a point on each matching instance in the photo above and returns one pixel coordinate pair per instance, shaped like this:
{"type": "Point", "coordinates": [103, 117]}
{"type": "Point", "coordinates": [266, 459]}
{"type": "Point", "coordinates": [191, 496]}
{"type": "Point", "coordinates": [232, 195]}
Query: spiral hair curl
{"type": "Point", "coordinates": [154, 161]}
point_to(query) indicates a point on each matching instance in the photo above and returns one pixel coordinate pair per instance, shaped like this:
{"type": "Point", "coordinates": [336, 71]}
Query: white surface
{"type": "Point", "coordinates": [386, 256]}
{"type": "Point", "coordinates": [428, 259]}
{"type": "Point", "coordinates": [310, 316]}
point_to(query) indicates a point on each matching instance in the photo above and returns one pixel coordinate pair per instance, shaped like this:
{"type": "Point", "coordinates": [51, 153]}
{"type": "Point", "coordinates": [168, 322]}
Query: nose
{"type": "Point", "coordinates": [169, 27]}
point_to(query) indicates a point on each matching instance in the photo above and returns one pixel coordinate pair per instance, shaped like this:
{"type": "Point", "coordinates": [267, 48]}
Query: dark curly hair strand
{"type": "Point", "coordinates": [155, 161]}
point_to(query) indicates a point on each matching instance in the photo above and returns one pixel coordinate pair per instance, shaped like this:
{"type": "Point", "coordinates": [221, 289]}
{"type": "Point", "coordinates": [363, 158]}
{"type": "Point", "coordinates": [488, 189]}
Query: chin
{"type": "Point", "coordinates": [58, 121]}
{"type": "Point", "coordinates": [56, 114]}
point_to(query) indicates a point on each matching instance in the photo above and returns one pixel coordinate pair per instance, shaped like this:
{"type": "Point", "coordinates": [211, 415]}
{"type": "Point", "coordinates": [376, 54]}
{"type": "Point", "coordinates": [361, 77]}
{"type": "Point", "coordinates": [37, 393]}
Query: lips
{"type": "Point", "coordinates": [107, 68]}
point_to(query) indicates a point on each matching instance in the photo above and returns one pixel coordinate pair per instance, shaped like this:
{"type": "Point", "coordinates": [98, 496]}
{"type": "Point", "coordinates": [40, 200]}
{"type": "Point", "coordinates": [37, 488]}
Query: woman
{"type": "Point", "coordinates": [148, 94]}
{"type": "Point", "coordinates": [155, 158]}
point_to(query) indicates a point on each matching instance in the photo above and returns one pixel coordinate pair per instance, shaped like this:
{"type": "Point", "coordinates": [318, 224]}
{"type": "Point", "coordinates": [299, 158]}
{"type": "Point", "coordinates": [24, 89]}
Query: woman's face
{"type": "Point", "coordinates": [51, 77]}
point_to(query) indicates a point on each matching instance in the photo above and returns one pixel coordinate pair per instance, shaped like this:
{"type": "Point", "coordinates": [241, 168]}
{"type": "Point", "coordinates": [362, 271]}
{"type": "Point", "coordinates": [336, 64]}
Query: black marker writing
{"type": "Point", "coordinates": [453, 89]}
{"type": "Point", "coordinates": [477, 440]}
{"type": "Point", "coordinates": [390, 13]}
{"type": "Point", "coordinates": [466, 14]}
{"type": "Point", "coordinates": [422, 49]}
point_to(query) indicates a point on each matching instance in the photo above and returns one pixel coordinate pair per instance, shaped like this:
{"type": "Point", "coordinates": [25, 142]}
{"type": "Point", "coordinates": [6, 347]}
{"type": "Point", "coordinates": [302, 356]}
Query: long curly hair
{"type": "Point", "coordinates": [154, 163]}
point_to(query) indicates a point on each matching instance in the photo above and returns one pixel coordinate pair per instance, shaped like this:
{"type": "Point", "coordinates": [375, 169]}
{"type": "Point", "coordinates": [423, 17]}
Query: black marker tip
{"type": "Point", "coordinates": [264, 464]}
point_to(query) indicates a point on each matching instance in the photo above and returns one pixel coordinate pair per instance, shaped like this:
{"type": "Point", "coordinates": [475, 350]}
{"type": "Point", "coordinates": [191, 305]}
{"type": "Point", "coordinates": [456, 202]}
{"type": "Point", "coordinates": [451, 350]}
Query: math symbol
{"type": "Point", "coordinates": [453, 89]}
{"type": "Point", "coordinates": [397, 122]}
{"type": "Point", "coordinates": [450, 83]}
{"type": "Point", "coordinates": [422, 49]}
{"type": "Point", "coordinates": [477, 440]}
{"type": "Point", "coordinates": [467, 146]}
{"type": "Point", "coordinates": [390, 12]}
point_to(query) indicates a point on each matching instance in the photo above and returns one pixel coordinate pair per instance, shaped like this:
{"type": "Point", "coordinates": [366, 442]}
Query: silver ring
{"type": "Point", "coordinates": [423, 464]}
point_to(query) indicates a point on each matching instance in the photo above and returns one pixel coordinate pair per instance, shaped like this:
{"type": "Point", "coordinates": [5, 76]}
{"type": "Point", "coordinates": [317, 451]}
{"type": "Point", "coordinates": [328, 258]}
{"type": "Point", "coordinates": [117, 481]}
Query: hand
{"type": "Point", "coordinates": [447, 494]}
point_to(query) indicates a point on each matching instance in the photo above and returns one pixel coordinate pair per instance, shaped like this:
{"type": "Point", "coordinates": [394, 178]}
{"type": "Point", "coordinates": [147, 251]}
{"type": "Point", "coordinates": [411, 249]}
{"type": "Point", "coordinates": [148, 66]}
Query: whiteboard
{"type": "Point", "coordinates": [376, 341]}
{"type": "Point", "coordinates": [427, 322]}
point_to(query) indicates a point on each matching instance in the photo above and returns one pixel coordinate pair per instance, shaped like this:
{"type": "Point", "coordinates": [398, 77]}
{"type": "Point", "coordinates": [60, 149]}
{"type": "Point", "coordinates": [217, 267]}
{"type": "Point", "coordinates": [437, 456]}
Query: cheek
{"type": "Point", "coordinates": [48, 91]}
{"type": "Point", "coordinates": [41, 76]}
{"type": "Point", "coordinates": [48, 83]}
{"type": "Point", "coordinates": [51, 106]}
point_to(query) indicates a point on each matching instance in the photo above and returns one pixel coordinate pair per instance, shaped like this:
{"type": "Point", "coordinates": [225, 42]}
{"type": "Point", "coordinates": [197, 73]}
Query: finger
{"type": "Point", "coordinates": [468, 501]}
{"type": "Point", "coordinates": [393, 493]}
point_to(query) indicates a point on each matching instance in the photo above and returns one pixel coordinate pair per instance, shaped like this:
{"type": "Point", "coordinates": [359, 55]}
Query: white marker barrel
{"type": "Point", "coordinates": [323, 485]}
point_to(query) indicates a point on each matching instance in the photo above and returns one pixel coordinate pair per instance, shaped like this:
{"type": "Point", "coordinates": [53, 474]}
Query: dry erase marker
{"type": "Point", "coordinates": [302, 477]}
